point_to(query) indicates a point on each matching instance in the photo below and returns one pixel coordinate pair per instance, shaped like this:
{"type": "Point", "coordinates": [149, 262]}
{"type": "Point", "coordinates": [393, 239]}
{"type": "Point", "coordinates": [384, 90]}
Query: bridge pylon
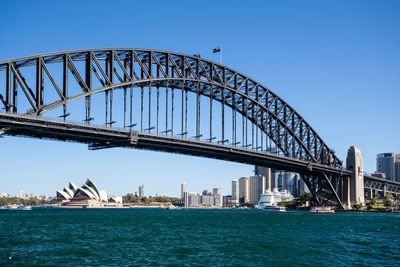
{"type": "Point", "coordinates": [354, 187]}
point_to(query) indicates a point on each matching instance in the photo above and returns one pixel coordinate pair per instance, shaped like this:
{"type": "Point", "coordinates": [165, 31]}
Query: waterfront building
{"type": "Point", "coordinates": [235, 192]}
{"type": "Point", "coordinates": [21, 194]}
{"type": "Point", "coordinates": [385, 162]}
{"type": "Point", "coordinates": [186, 199]}
{"type": "Point", "coordinates": [218, 197]}
{"type": "Point", "coordinates": [257, 187]}
{"type": "Point", "coordinates": [141, 191]}
{"type": "Point", "coordinates": [191, 199]}
{"type": "Point", "coordinates": [207, 200]}
{"type": "Point", "coordinates": [194, 200]}
{"type": "Point", "coordinates": [88, 196]}
{"type": "Point", "coordinates": [183, 189]}
{"type": "Point", "coordinates": [244, 190]}
{"type": "Point", "coordinates": [226, 200]}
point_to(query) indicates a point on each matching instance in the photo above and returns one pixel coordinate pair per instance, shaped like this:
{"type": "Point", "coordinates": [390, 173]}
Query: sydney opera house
{"type": "Point", "coordinates": [86, 196]}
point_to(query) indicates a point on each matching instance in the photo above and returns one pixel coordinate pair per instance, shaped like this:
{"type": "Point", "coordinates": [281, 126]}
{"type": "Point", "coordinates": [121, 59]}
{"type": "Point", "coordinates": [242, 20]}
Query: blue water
{"type": "Point", "coordinates": [120, 237]}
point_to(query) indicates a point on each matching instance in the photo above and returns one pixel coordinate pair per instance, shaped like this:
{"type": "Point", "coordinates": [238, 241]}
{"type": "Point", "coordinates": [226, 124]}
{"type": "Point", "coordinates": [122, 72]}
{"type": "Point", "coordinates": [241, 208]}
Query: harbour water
{"type": "Point", "coordinates": [120, 237]}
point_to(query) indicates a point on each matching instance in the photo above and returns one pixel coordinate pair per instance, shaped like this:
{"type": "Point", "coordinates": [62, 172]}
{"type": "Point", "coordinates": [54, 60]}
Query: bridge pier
{"type": "Point", "coordinates": [355, 185]}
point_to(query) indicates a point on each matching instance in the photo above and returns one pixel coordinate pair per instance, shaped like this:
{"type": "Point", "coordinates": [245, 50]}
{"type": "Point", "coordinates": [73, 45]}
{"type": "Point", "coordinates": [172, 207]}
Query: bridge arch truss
{"type": "Point", "coordinates": [49, 82]}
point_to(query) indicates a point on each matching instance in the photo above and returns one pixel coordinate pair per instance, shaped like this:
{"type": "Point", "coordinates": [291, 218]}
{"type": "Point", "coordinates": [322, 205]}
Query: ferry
{"type": "Point", "coordinates": [322, 209]}
{"type": "Point", "coordinates": [269, 199]}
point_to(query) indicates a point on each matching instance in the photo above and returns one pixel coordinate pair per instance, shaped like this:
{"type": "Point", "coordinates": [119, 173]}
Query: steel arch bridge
{"type": "Point", "coordinates": [164, 101]}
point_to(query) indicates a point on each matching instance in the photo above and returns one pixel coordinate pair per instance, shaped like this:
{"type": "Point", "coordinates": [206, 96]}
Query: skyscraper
{"type": "Point", "coordinates": [267, 173]}
{"type": "Point", "coordinates": [235, 191]}
{"type": "Point", "coordinates": [141, 191]}
{"type": "Point", "coordinates": [243, 190]}
{"type": "Point", "coordinates": [257, 187]}
{"type": "Point", "coordinates": [217, 194]}
{"type": "Point", "coordinates": [397, 167]}
{"type": "Point", "coordinates": [183, 189]}
{"type": "Point", "coordinates": [385, 163]}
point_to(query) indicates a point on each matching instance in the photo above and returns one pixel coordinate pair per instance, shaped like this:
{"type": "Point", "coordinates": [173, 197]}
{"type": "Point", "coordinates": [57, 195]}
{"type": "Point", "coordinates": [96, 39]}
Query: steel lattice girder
{"type": "Point", "coordinates": [124, 68]}
{"type": "Point", "coordinates": [382, 185]}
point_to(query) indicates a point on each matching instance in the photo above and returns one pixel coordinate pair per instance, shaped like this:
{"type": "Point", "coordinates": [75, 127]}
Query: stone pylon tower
{"type": "Point", "coordinates": [356, 188]}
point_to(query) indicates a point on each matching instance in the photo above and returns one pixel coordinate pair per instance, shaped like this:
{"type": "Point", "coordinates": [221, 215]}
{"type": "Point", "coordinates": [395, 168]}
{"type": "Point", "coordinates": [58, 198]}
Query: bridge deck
{"type": "Point", "coordinates": [98, 137]}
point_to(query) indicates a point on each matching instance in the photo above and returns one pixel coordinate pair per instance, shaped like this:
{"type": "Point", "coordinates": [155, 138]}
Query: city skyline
{"type": "Point", "coordinates": [342, 63]}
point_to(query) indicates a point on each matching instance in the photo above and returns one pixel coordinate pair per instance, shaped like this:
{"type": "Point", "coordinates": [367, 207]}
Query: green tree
{"type": "Point", "coordinates": [372, 201]}
{"type": "Point", "coordinates": [388, 202]}
{"type": "Point", "coordinates": [306, 197]}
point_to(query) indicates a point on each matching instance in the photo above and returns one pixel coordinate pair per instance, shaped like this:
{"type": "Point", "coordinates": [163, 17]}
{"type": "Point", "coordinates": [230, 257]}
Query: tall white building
{"type": "Point", "coordinates": [244, 189]}
{"type": "Point", "coordinates": [218, 198]}
{"type": "Point", "coordinates": [235, 191]}
{"type": "Point", "coordinates": [267, 173]}
{"type": "Point", "coordinates": [191, 199]}
{"type": "Point", "coordinates": [257, 187]}
{"type": "Point", "coordinates": [183, 189]}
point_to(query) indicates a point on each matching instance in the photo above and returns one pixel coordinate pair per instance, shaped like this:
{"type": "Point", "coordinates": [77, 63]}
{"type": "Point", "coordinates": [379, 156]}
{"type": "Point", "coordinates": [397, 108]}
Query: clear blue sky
{"type": "Point", "coordinates": [336, 62]}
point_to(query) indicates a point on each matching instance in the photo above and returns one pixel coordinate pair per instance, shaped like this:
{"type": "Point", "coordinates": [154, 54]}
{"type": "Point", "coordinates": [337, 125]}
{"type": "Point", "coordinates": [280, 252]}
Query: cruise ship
{"type": "Point", "coordinates": [268, 200]}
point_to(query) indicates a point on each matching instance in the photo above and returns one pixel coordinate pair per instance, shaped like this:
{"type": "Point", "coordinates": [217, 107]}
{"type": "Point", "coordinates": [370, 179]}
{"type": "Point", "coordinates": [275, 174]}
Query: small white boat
{"type": "Point", "coordinates": [322, 209]}
{"type": "Point", "coordinates": [23, 207]}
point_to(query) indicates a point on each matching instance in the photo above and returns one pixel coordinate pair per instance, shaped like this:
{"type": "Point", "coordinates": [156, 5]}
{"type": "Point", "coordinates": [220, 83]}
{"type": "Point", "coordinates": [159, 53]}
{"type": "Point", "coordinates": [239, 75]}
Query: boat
{"type": "Point", "coordinates": [15, 207]}
{"type": "Point", "coordinates": [23, 207]}
{"type": "Point", "coordinates": [268, 200]}
{"type": "Point", "coordinates": [322, 209]}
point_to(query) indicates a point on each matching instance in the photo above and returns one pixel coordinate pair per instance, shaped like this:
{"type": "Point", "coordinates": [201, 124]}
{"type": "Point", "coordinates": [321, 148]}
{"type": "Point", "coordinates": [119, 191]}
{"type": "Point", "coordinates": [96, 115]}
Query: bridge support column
{"type": "Point", "coordinates": [346, 192]}
{"type": "Point", "coordinates": [354, 163]}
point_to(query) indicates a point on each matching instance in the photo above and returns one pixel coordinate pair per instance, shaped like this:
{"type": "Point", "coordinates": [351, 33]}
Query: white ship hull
{"type": "Point", "coordinates": [270, 207]}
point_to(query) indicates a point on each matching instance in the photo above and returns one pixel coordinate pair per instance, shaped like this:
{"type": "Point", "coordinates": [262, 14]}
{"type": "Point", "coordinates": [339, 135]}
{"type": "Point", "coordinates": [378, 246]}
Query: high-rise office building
{"type": "Point", "coordinates": [267, 173]}
{"type": "Point", "coordinates": [244, 190]}
{"type": "Point", "coordinates": [257, 187]}
{"type": "Point", "coordinates": [217, 194]}
{"type": "Point", "coordinates": [397, 168]}
{"type": "Point", "coordinates": [235, 191]}
{"type": "Point", "coordinates": [183, 189]}
{"type": "Point", "coordinates": [291, 183]}
{"type": "Point", "coordinates": [385, 162]}
{"type": "Point", "coordinates": [141, 191]}
{"type": "Point", "coordinates": [274, 179]}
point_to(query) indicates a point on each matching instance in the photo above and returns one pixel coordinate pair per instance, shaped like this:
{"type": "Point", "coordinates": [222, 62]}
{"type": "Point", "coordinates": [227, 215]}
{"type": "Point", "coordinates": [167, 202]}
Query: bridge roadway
{"type": "Point", "coordinates": [98, 137]}
{"type": "Point", "coordinates": [374, 184]}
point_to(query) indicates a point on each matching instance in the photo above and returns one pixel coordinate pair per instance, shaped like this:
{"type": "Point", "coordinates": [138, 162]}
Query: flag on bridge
{"type": "Point", "coordinates": [197, 55]}
{"type": "Point", "coordinates": [216, 50]}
